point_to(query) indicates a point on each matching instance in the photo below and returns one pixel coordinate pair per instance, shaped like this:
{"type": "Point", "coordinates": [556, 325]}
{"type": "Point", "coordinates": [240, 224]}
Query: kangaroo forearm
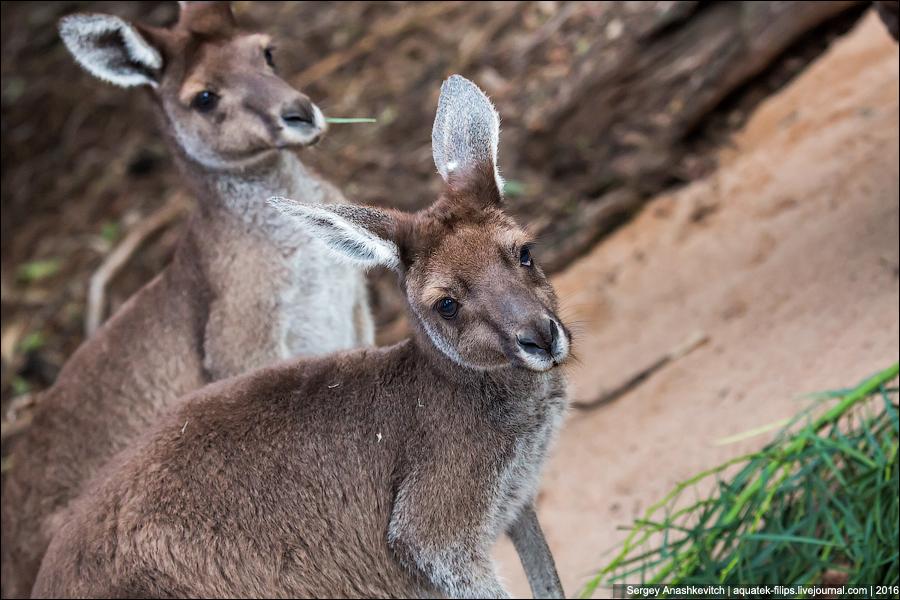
{"type": "Point", "coordinates": [530, 544]}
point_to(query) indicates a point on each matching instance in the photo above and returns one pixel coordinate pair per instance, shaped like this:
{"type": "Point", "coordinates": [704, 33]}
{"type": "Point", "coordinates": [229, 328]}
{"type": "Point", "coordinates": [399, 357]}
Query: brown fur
{"type": "Point", "coordinates": [366, 473]}
{"type": "Point", "coordinates": [211, 314]}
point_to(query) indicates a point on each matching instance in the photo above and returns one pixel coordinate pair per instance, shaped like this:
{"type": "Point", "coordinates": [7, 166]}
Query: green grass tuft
{"type": "Point", "coordinates": [820, 500]}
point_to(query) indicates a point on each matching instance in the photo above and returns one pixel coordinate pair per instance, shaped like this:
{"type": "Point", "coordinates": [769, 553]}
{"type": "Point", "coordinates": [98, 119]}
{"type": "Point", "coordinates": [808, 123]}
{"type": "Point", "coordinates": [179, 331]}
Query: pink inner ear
{"type": "Point", "coordinates": [214, 19]}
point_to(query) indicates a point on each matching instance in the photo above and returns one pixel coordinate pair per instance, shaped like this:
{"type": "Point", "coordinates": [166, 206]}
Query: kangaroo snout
{"type": "Point", "coordinates": [302, 121]}
{"type": "Point", "coordinates": [298, 112]}
{"type": "Point", "coordinates": [538, 339]}
{"type": "Point", "coordinates": [543, 343]}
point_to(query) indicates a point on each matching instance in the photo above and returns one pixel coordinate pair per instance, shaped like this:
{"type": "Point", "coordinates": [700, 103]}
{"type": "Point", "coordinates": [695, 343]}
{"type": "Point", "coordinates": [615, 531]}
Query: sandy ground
{"type": "Point", "coordinates": [786, 257]}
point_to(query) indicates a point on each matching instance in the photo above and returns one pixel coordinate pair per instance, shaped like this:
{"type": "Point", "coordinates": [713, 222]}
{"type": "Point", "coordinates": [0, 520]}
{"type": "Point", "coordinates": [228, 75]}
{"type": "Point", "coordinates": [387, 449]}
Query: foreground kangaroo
{"type": "Point", "coordinates": [245, 288]}
{"type": "Point", "coordinates": [365, 473]}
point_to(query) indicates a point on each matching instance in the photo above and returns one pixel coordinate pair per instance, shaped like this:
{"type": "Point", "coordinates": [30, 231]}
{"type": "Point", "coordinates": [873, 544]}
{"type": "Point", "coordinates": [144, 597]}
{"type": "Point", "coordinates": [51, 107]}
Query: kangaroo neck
{"type": "Point", "coordinates": [506, 389]}
{"type": "Point", "coordinates": [240, 195]}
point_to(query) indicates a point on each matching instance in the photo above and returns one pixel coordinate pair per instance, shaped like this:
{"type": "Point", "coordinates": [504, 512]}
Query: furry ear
{"type": "Point", "coordinates": [466, 130]}
{"type": "Point", "coordinates": [207, 18]}
{"type": "Point", "coordinates": [360, 235]}
{"type": "Point", "coordinates": [111, 49]}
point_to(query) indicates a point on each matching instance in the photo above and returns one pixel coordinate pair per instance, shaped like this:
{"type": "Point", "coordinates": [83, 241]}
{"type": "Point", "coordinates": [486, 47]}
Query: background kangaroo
{"type": "Point", "coordinates": [245, 288]}
{"type": "Point", "coordinates": [383, 472]}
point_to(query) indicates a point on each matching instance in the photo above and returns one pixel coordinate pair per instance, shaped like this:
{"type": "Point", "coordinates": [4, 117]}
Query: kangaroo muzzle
{"type": "Point", "coordinates": [543, 344]}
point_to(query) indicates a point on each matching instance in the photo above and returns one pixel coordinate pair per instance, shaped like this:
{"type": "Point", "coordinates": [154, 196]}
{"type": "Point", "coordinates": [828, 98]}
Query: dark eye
{"type": "Point", "coordinates": [525, 256]}
{"type": "Point", "coordinates": [205, 101]}
{"type": "Point", "coordinates": [269, 60]}
{"type": "Point", "coordinates": [448, 307]}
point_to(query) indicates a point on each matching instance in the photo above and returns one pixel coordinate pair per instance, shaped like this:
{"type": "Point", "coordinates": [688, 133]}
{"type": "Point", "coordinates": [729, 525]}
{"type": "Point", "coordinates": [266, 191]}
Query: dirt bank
{"type": "Point", "coordinates": [786, 257]}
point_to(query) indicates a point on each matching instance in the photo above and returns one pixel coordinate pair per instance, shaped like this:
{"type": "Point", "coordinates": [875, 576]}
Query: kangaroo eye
{"type": "Point", "coordinates": [525, 256]}
{"type": "Point", "coordinates": [448, 307]}
{"type": "Point", "coordinates": [269, 60]}
{"type": "Point", "coordinates": [205, 101]}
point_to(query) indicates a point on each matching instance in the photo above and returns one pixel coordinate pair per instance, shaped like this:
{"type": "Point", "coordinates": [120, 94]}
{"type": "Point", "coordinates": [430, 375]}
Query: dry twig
{"type": "Point", "coordinates": [11, 428]}
{"type": "Point", "coordinates": [547, 30]}
{"type": "Point", "coordinates": [177, 205]}
{"type": "Point", "coordinates": [13, 423]}
{"type": "Point", "coordinates": [390, 28]}
{"type": "Point", "coordinates": [683, 349]}
{"type": "Point", "coordinates": [476, 40]}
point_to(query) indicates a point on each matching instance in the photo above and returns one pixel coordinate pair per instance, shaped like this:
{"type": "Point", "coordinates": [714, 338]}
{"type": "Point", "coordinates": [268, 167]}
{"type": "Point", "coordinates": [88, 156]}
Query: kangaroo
{"type": "Point", "coordinates": [245, 288]}
{"type": "Point", "coordinates": [375, 472]}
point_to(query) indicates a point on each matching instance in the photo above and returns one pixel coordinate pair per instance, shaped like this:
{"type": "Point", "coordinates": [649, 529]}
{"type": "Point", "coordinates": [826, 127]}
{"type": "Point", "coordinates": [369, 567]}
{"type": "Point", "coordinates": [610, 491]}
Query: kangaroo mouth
{"type": "Point", "coordinates": [296, 145]}
{"type": "Point", "coordinates": [539, 362]}
{"type": "Point", "coordinates": [299, 132]}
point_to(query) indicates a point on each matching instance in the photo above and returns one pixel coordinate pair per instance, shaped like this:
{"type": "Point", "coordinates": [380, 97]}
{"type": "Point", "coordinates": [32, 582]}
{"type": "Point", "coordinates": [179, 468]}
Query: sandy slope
{"type": "Point", "coordinates": [786, 257]}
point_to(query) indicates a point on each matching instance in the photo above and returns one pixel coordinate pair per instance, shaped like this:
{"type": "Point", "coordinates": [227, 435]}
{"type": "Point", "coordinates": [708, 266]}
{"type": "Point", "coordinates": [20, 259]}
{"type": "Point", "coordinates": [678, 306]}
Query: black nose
{"type": "Point", "coordinates": [538, 339]}
{"type": "Point", "coordinates": [298, 112]}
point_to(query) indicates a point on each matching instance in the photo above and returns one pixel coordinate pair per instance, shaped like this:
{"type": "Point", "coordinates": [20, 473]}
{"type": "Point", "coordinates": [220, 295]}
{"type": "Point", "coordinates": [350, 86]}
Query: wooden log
{"type": "Point", "coordinates": [619, 118]}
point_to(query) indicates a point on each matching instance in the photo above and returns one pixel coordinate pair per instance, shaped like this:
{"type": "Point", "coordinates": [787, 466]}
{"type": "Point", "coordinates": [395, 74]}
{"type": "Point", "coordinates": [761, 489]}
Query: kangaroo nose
{"type": "Point", "coordinates": [298, 112]}
{"type": "Point", "coordinates": [539, 338]}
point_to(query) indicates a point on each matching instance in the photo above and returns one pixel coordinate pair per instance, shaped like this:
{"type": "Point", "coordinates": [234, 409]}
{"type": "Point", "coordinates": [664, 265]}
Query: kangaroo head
{"type": "Point", "coordinates": [466, 268]}
{"type": "Point", "coordinates": [217, 86]}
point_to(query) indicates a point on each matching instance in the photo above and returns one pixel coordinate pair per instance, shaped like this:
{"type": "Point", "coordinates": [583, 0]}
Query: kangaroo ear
{"type": "Point", "coordinates": [207, 18]}
{"type": "Point", "coordinates": [111, 49]}
{"type": "Point", "coordinates": [361, 235]}
{"type": "Point", "coordinates": [466, 131]}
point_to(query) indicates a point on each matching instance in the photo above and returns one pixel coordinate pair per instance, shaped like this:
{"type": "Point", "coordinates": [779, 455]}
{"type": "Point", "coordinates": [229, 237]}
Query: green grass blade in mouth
{"type": "Point", "coordinates": [342, 121]}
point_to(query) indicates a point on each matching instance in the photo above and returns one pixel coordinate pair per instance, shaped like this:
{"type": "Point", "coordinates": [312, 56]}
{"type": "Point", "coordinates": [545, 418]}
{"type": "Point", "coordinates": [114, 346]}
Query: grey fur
{"type": "Point", "coordinates": [528, 539]}
{"type": "Point", "coordinates": [335, 228]}
{"type": "Point", "coordinates": [466, 128]}
{"type": "Point", "coordinates": [111, 49]}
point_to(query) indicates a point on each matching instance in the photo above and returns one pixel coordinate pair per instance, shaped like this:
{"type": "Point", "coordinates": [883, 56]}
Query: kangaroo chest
{"type": "Point", "coordinates": [277, 292]}
{"type": "Point", "coordinates": [518, 475]}
{"type": "Point", "coordinates": [316, 303]}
